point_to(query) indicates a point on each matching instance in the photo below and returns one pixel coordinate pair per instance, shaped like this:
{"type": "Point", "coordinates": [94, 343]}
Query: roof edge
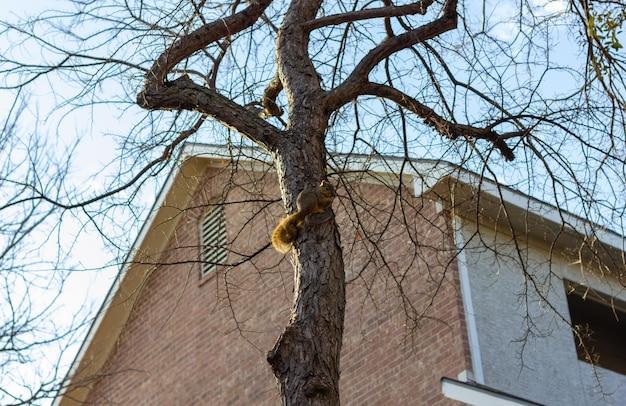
{"type": "Point", "coordinates": [82, 363]}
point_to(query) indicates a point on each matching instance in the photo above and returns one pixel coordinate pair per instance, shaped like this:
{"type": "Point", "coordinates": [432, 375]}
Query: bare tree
{"type": "Point", "coordinates": [31, 283]}
{"type": "Point", "coordinates": [434, 79]}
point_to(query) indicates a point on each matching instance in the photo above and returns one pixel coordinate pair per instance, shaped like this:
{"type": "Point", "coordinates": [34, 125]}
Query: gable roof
{"type": "Point", "coordinates": [464, 193]}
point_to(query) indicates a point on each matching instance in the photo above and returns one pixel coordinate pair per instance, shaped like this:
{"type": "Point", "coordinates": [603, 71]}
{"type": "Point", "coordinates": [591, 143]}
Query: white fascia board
{"type": "Point", "coordinates": [431, 173]}
{"type": "Point", "coordinates": [556, 216]}
{"type": "Point", "coordinates": [390, 165]}
{"type": "Point", "coordinates": [479, 396]}
{"type": "Point", "coordinates": [225, 153]}
{"type": "Point", "coordinates": [551, 213]}
{"type": "Point", "coordinates": [426, 175]}
{"type": "Point", "coordinates": [511, 197]}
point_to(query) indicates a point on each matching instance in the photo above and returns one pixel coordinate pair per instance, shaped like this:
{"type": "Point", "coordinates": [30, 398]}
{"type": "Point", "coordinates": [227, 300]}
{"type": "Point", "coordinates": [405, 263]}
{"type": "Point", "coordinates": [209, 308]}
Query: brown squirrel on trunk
{"type": "Point", "coordinates": [309, 202]}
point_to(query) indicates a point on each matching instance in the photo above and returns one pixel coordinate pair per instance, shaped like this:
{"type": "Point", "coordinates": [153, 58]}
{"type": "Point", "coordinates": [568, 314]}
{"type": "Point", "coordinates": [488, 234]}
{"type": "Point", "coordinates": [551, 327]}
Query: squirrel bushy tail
{"type": "Point", "coordinates": [309, 202]}
{"type": "Point", "coordinates": [286, 232]}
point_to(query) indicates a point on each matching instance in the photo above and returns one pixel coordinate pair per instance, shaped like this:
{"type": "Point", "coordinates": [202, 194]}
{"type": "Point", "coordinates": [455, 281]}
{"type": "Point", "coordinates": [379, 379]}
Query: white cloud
{"type": "Point", "coordinates": [548, 7]}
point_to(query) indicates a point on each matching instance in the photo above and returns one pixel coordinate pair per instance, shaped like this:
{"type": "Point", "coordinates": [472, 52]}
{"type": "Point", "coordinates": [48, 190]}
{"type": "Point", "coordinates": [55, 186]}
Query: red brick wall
{"type": "Point", "coordinates": [193, 341]}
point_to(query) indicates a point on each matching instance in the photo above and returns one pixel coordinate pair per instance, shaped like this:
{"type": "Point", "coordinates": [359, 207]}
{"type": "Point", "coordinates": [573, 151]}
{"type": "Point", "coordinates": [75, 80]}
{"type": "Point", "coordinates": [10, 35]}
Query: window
{"type": "Point", "coordinates": [213, 240]}
{"type": "Point", "coordinates": [601, 322]}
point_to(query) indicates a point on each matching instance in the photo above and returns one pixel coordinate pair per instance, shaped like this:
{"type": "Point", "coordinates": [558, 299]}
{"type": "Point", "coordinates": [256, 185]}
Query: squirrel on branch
{"type": "Point", "coordinates": [310, 202]}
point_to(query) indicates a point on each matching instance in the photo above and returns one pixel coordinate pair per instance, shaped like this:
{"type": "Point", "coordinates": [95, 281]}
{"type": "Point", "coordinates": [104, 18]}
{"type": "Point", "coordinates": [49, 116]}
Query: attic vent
{"type": "Point", "coordinates": [213, 238]}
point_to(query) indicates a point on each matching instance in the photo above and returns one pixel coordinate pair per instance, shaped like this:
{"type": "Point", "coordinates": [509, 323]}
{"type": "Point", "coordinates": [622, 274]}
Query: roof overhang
{"type": "Point", "coordinates": [483, 202]}
{"type": "Point", "coordinates": [114, 312]}
{"type": "Point", "coordinates": [464, 192]}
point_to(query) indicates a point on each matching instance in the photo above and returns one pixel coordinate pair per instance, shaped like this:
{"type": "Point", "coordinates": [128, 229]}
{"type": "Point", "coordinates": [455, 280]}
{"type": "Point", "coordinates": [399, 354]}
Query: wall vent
{"type": "Point", "coordinates": [213, 240]}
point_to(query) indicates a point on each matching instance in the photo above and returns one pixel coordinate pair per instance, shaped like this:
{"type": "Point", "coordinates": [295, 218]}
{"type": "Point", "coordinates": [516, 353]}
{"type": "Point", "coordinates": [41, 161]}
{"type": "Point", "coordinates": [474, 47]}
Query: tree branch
{"type": "Point", "coordinates": [296, 71]}
{"type": "Point", "coordinates": [184, 94]}
{"type": "Point", "coordinates": [186, 45]}
{"type": "Point", "coordinates": [441, 125]}
{"type": "Point", "coordinates": [349, 89]}
{"type": "Point", "coordinates": [419, 7]}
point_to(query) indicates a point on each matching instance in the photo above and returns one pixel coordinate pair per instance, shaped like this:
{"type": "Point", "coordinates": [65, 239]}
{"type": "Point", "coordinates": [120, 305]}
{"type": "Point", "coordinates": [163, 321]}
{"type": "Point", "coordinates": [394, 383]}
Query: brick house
{"type": "Point", "coordinates": [176, 329]}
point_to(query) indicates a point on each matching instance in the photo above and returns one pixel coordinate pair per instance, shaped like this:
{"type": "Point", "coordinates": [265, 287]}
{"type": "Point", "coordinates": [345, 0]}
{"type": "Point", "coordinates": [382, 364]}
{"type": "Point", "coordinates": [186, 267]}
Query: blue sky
{"type": "Point", "coordinates": [98, 131]}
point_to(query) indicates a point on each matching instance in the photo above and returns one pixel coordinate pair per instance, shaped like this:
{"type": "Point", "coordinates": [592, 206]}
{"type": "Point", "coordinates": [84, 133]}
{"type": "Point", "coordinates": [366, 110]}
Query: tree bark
{"type": "Point", "coordinates": [305, 359]}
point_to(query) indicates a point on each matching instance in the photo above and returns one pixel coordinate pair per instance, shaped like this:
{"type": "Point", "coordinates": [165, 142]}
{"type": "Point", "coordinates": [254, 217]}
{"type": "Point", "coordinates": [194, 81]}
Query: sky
{"type": "Point", "coordinates": [98, 147]}
{"type": "Point", "coordinates": [83, 250]}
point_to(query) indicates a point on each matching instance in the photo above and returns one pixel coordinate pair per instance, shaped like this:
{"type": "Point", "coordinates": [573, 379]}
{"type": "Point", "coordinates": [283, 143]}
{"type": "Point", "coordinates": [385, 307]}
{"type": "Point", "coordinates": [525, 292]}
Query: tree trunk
{"type": "Point", "coordinates": [305, 359]}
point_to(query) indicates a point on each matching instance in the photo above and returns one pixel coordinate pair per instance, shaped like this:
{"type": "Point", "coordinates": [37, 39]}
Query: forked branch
{"type": "Point", "coordinates": [183, 94]}
{"type": "Point", "coordinates": [351, 87]}
{"type": "Point", "coordinates": [358, 84]}
{"type": "Point", "coordinates": [198, 39]}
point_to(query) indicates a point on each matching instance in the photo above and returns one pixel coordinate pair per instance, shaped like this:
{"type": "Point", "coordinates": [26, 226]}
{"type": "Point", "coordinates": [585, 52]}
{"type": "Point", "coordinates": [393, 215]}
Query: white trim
{"type": "Point", "coordinates": [224, 153]}
{"type": "Point", "coordinates": [512, 197]}
{"type": "Point", "coordinates": [468, 306]}
{"type": "Point", "coordinates": [439, 206]}
{"type": "Point", "coordinates": [554, 214]}
{"type": "Point", "coordinates": [465, 376]}
{"type": "Point", "coordinates": [478, 396]}
{"type": "Point", "coordinates": [426, 175]}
